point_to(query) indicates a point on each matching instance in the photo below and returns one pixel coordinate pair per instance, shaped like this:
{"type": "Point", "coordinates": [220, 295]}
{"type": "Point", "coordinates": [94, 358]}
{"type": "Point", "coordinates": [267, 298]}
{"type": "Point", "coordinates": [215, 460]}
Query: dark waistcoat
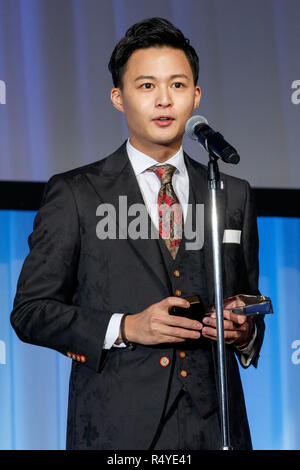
{"type": "Point", "coordinates": [192, 362]}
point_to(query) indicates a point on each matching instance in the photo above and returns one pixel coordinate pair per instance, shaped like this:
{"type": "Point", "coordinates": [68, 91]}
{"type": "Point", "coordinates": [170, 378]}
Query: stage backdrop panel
{"type": "Point", "coordinates": [55, 111]}
{"type": "Point", "coordinates": [34, 380]}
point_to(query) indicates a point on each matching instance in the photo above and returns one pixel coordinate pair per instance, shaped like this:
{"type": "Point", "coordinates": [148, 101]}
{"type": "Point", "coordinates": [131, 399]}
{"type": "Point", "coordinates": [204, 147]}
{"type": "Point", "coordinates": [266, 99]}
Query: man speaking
{"type": "Point", "coordinates": [142, 377]}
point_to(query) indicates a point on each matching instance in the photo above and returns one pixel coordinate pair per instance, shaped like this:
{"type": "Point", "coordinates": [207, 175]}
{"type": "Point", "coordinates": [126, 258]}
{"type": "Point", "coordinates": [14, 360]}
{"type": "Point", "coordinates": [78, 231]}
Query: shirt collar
{"type": "Point", "coordinates": [140, 161]}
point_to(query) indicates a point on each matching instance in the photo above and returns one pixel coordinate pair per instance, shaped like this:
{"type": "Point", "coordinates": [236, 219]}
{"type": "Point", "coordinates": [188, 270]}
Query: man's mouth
{"type": "Point", "coordinates": [163, 120]}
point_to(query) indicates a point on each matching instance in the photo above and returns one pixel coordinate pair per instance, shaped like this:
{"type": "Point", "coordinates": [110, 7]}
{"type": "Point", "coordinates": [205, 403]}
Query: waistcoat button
{"type": "Point", "coordinates": [164, 361]}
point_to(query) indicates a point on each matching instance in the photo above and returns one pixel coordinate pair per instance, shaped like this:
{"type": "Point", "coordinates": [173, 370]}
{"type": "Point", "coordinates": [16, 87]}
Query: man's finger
{"type": "Point", "coordinates": [170, 302]}
{"type": "Point", "coordinates": [181, 333]}
{"type": "Point", "coordinates": [229, 336]}
{"type": "Point", "coordinates": [239, 319]}
{"type": "Point", "coordinates": [229, 315]}
{"type": "Point", "coordinates": [183, 322]}
{"type": "Point", "coordinates": [228, 324]}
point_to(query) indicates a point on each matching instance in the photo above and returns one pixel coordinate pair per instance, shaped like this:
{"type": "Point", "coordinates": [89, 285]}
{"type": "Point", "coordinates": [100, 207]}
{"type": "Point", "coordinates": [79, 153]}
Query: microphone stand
{"type": "Point", "coordinates": [215, 185]}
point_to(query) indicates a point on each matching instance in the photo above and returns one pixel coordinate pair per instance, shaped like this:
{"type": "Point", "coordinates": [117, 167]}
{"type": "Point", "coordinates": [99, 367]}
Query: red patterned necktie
{"type": "Point", "coordinates": [169, 209]}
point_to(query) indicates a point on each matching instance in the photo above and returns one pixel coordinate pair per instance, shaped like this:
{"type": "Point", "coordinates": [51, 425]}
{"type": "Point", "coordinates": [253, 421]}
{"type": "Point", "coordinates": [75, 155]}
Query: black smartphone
{"type": "Point", "coordinates": [196, 311]}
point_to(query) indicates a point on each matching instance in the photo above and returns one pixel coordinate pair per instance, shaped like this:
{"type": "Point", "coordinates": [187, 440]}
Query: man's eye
{"type": "Point", "coordinates": [178, 85]}
{"type": "Point", "coordinates": [147, 85]}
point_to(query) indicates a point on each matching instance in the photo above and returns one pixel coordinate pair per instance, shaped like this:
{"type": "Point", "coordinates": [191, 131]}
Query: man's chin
{"type": "Point", "coordinates": [154, 140]}
{"type": "Point", "coordinates": [167, 140]}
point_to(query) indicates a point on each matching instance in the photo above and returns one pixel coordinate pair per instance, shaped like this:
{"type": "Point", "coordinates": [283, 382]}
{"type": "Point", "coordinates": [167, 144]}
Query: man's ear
{"type": "Point", "coordinates": [116, 98]}
{"type": "Point", "coordinates": [197, 97]}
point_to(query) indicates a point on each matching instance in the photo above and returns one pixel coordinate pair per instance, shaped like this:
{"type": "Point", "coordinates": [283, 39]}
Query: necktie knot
{"type": "Point", "coordinates": [163, 172]}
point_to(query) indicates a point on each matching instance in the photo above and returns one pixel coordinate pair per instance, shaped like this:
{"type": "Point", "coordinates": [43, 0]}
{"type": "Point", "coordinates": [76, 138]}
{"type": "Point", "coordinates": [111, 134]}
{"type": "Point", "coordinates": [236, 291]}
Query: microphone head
{"type": "Point", "coordinates": [192, 123]}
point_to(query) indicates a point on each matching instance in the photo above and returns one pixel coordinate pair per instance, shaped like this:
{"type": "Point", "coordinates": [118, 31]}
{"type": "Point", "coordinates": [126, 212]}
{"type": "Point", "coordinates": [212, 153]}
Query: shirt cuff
{"type": "Point", "coordinates": [248, 351]}
{"type": "Point", "coordinates": [112, 332]}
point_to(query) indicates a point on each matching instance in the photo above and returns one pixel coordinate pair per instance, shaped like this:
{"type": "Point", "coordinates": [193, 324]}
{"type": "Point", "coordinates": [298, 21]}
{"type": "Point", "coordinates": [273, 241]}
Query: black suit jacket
{"type": "Point", "coordinates": [72, 282]}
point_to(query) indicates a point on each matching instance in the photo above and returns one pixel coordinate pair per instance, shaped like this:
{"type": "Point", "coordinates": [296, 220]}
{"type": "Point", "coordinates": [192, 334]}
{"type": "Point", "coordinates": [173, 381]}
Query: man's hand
{"type": "Point", "coordinates": [238, 329]}
{"type": "Point", "coordinates": [155, 325]}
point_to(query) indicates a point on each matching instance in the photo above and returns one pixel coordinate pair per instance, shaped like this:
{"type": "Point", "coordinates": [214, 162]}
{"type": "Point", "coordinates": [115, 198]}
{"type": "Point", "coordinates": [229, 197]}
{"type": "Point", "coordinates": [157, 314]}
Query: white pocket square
{"type": "Point", "coordinates": [232, 236]}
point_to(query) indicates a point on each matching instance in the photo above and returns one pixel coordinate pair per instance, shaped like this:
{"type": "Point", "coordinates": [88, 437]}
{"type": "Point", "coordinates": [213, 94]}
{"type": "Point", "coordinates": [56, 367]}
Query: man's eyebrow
{"type": "Point", "coordinates": [151, 77]}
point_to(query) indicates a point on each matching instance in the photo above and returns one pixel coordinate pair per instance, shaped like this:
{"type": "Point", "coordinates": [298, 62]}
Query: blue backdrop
{"type": "Point", "coordinates": [34, 380]}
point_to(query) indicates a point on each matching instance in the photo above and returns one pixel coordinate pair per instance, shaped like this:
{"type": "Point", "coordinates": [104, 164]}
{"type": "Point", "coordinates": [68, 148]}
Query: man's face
{"type": "Point", "coordinates": [158, 96]}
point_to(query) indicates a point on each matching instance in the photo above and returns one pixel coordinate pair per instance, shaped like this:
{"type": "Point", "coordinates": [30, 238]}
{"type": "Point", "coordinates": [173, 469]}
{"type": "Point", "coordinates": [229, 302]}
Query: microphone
{"type": "Point", "coordinates": [197, 128]}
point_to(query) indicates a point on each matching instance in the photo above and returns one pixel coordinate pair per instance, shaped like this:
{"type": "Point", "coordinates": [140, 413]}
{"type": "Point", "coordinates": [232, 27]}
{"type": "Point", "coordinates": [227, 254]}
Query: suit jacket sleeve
{"type": "Point", "coordinates": [250, 251]}
{"type": "Point", "coordinates": [44, 312]}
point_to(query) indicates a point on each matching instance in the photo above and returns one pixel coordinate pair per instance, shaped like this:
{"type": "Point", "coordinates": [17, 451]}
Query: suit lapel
{"type": "Point", "coordinates": [114, 181]}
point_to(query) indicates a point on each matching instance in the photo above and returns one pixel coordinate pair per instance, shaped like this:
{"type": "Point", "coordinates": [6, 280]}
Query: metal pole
{"type": "Point", "coordinates": [214, 186]}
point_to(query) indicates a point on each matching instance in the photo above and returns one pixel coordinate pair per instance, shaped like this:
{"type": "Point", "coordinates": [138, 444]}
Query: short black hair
{"type": "Point", "coordinates": [151, 32]}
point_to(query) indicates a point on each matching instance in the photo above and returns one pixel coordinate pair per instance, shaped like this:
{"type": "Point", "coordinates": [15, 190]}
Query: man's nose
{"type": "Point", "coordinates": [163, 97]}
